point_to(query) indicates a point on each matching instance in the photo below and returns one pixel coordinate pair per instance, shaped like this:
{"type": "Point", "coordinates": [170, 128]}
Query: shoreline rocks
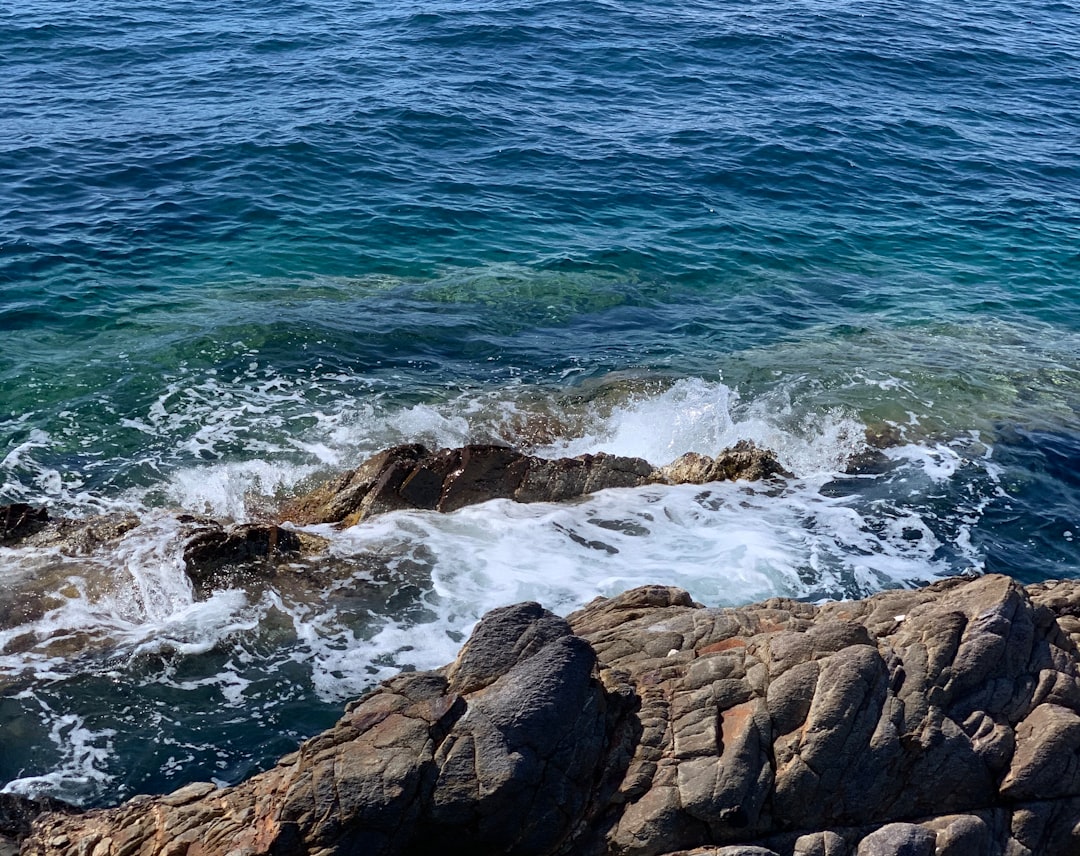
{"type": "Point", "coordinates": [414, 477]}
{"type": "Point", "coordinates": [401, 477]}
{"type": "Point", "coordinates": [943, 720]}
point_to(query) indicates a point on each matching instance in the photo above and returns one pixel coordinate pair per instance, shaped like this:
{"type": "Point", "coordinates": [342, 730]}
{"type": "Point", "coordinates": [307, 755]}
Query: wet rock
{"type": "Point", "coordinates": [19, 520]}
{"type": "Point", "coordinates": [871, 457]}
{"type": "Point", "coordinates": [17, 813]}
{"type": "Point", "coordinates": [28, 526]}
{"type": "Point", "coordinates": [939, 721]}
{"type": "Point", "coordinates": [744, 460]}
{"type": "Point", "coordinates": [411, 476]}
{"type": "Point", "coordinates": [217, 555]}
{"type": "Point", "coordinates": [82, 537]}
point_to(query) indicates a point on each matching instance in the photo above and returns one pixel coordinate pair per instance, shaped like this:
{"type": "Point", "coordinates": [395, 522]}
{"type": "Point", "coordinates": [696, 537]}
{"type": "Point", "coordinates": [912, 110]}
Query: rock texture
{"type": "Point", "coordinates": [939, 721]}
{"type": "Point", "coordinates": [16, 815]}
{"type": "Point", "coordinates": [217, 555]}
{"type": "Point", "coordinates": [413, 476]}
{"type": "Point", "coordinates": [27, 525]}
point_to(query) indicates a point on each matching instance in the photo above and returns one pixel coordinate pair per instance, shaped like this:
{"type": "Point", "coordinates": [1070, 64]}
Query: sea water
{"type": "Point", "coordinates": [245, 245]}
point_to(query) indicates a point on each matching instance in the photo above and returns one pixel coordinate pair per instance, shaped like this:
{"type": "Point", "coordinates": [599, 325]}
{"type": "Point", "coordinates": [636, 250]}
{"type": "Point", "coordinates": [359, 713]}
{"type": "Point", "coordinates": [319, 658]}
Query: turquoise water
{"type": "Point", "coordinates": [244, 245]}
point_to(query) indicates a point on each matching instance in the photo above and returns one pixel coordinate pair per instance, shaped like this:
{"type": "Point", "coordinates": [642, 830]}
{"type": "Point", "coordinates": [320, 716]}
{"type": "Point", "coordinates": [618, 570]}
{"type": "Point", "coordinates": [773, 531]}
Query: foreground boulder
{"type": "Point", "coordinates": [412, 476]}
{"type": "Point", "coordinates": [944, 720]}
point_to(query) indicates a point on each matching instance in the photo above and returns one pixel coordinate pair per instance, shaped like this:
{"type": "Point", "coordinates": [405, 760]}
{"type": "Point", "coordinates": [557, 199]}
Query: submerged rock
{"type": "Point", "coordinates": [412, 476]}
{"type": "Point", "coordinates": [944, 720]}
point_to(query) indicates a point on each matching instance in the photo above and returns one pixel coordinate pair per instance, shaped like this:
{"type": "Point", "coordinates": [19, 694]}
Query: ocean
{"type": "Point", "coordinates": [243, 246]}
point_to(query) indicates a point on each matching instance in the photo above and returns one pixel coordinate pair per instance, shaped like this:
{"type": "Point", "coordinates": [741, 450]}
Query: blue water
{"type": "Point", "coordinates": [243, 245]}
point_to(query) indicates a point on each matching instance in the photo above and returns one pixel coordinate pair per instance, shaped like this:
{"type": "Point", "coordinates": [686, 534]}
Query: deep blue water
{"type": "Point", "coordinates": [246, 244]}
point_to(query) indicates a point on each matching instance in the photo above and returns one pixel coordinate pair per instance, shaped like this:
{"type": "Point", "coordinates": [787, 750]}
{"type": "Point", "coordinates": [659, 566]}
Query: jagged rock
{"type": "Point", "coordinates": [402, 477]}
{"type": "Point", "coordinates": [423, 764]}
{"type": "Point", "coordinates": [744, 460]}
{"type": "Point", "coordinates": [939, 721]}
{"type": "Point", "coordinates": [411, 476]}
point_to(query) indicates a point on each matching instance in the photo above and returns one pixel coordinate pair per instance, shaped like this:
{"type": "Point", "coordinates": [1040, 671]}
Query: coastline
{"type": "Point", "coordinates": [938, 720]}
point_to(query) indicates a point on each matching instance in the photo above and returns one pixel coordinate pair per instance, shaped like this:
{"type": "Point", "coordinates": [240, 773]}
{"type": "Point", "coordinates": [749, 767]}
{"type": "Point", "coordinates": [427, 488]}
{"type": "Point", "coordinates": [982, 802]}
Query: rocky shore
{"type": "Point", "coordinates": [409, 477]}
{"type": "Point", "coordinates": [944, 720]}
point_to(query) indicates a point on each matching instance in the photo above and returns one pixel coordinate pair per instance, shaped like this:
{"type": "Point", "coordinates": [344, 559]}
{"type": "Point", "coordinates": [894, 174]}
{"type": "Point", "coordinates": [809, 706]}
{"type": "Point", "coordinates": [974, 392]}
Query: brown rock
{"type": "Point", "coordinates": [214, 547]}
{"type": "Point", "coordinates": [646, 724]}
{"type": "Point", "coordinates": [412, 476]}
{"type": "Point", "coordinates": [24, 525]}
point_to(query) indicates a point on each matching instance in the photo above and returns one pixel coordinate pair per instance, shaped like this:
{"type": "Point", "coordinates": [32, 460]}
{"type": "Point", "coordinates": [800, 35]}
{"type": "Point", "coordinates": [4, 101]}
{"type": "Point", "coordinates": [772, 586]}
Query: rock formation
{"type": "Point", "coordinates": [413, 476]}
{"type": "Point", "coordinates": [944, 720]}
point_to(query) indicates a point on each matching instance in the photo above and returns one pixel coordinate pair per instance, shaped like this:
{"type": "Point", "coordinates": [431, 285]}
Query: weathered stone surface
{"type": "Point", "coordinates": [941, 721]}
{"type": "Point", "coordinates": [504, 757]}
{"type": "Point", "coordinates": [898, 839]}
{"type": "Point", "coordinates": [411, 476]}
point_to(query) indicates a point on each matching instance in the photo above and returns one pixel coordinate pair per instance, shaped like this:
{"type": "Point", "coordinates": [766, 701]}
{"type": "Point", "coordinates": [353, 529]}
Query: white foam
{"type": "Point", "coordinates": [83, 753]}
{"type": "Point", "coordinates": [726, 543]}
{"type": "Point", "coordinates": [228, 490]}
{"type": "Point", "coordinates": [132, 599]}
{"type": "Point", "coordinates": [694, 415]}
{"type": "Point", "coordinates": [18, 456]}
{"type": "Point", "coordinates": [938, 463]}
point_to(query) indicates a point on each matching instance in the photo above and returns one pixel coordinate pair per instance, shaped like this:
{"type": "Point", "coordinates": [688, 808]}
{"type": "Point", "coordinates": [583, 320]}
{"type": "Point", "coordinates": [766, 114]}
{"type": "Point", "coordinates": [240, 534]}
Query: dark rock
{"type": "Point", "coordinates": [504, 638]}
{"type": "Point", "coordinates": [217, 555]}
{"type": "Point", "coordinates": [214, 546]}
{"type": "Point", "coordinates": [18, 812]}
{"type": "Point", "coordinates": [19, 520]}
{"type": "Point", "coordinates": [24, 525]}
{"type": "Point", "coordinates": [482, 473]}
